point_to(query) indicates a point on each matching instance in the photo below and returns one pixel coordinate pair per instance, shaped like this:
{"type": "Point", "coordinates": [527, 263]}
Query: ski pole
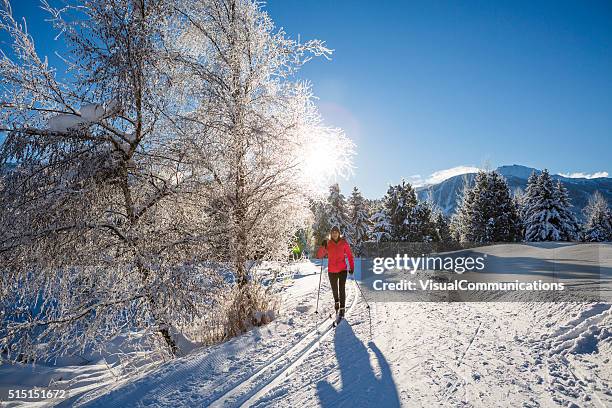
{"type": "Point", "coordinates": [319, 291]}
{"type": "Point", "coordinates": [367, 304]}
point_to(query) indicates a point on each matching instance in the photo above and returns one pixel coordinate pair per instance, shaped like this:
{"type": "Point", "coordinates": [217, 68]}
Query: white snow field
{"type": "Point", "coordinates": [419, 354]}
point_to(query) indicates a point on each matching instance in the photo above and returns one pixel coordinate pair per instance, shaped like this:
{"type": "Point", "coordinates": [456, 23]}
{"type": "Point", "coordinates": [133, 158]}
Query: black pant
{"type": "Point", "coordinates": [337, 280]}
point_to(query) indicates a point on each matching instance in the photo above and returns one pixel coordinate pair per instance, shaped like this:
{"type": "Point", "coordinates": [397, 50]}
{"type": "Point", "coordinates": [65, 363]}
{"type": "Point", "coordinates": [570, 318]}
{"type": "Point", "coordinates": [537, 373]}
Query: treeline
{"type": "Point", "coordinates": [487, 212]}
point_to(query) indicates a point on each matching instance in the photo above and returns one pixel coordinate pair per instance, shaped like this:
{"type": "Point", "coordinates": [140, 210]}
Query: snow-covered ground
{"type": "Point", "coordinates": [417, 354]}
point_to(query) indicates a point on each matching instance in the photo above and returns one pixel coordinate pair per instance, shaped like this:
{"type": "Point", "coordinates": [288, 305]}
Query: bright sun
{"type": "Point", "coordinates": [326, 157]}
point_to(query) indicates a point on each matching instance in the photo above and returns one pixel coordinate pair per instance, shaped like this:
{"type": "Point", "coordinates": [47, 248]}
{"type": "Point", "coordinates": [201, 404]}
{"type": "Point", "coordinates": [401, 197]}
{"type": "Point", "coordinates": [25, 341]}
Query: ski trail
{"type": "Point", "coordinates": [279, 378]}
{"type": "Point", "coordinates": [460, 377]}
{"type": "Point", "coordinates": [275, 359]}
{"type": "Point", "coordinates": [579, 375]}
{"type": "Point", "coordinates": [565, 338]}
{"type": "Point", "coordinates": [186, 373]}
{"type": "Point", "coordinates": [245, 393]}
{"type": "Point", "coordinates": [567, 381]}
{"type": "Point", "coordinates": [469, 345]}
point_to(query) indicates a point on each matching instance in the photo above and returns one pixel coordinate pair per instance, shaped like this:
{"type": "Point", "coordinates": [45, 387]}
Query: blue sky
{"type": "Point", "coordinates": [424, 86]}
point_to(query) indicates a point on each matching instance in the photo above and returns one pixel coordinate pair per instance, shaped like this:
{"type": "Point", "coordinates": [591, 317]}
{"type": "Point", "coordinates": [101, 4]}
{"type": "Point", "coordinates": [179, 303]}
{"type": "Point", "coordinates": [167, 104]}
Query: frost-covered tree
{"type": "Point", "coordinates": [570, 224]}
{"type": "Point", "coordinates": [442, 228]}
{"type": "Point", "coordinates": [598, 225]}
{"type": "Point", "coordinates": [359, 220]}
{"type": "Point", "coordinates": [338, 212]}
{"type": "Point", "coordinates": [99, 218]}
{"type": "Point", "coordinates": [529, 196]}
{"type": "Point", "coordinates": [320, 225]}
{"type": "Point", "coordinates": [178, 137]}
{"type": "Point", "coordinates": [406, 219]}
{"type": "Point", "coordinates": [258, 130]}
{"type": "Point", "coordinates": [458, 219]}
{"type": "Point", "coordinates": [420, 224]}
{"type": "Point", "coordinates": [487, 212]}
{"type": "Point", "coordinates": [381, 225]}
{"type": "Point", "coordinates": [546, 212]}
{"type": "Point", "coordinates": [519, 197]}
{"type": "Point", "coordinates": [398, 203]}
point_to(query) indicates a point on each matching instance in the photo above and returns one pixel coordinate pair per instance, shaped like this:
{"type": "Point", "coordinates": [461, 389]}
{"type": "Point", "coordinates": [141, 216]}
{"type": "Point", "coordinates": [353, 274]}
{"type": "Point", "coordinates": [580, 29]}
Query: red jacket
{"type": "Point", "coordinates": [336, 253]}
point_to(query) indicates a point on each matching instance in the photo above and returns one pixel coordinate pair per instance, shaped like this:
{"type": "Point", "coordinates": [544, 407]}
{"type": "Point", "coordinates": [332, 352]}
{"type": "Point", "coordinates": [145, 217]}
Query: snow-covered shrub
{"type": "Point", "coordinates": [236, 310]}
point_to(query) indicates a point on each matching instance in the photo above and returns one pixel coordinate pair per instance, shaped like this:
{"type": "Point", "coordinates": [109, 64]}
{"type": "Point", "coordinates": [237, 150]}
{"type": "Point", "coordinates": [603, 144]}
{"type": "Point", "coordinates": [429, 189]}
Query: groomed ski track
{"type": "Point", "coordinates": [247, 392]}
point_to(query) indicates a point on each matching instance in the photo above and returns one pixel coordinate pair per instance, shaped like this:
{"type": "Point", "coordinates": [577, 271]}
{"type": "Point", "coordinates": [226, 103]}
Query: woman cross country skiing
{"type": "Point", "coordinates": [337, 250]}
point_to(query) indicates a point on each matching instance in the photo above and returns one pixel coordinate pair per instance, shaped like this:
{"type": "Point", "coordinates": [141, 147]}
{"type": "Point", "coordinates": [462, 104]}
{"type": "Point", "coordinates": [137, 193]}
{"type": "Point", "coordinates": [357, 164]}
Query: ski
{"type": "Point", "coordinates": [338, 320]}
{"type": "Point", "coordinates": [339, 316]}
{"type": "Point", "coordinates": [325, 319]}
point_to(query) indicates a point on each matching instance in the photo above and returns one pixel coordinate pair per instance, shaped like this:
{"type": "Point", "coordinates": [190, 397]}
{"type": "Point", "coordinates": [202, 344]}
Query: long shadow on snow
{"type": "Point", "coordinates": [360, 386]}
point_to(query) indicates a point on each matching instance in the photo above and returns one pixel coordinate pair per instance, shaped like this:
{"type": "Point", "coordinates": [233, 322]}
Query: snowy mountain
{"type": "Point", "coordinates": [446, 193]}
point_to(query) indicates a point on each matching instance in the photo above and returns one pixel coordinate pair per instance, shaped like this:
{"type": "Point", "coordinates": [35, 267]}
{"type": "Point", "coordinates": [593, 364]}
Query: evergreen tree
{"type": "Point", "coordinates": [380, 225]}
{"type": "Point", "coordinates": [546, 212]}
{"type": "Point", "coordinates": [504, 222]}
{"type": "Point", "coordinates": [420, 225]}
{"type": "Point", "coordinates": [530, 195]}
{"type": "Point", "coordinates": [320, 226]}
{"type": "Point", "coordinates": [569, 223]}
{"type": "Point", "coordinates": [337, 212]}
{"type": "Point", "coordinates": [460, 220]}
{"type": "Point", "coordinates": [404, 218]}
{"type": "Point", "coordinates": [359, 219]}
{"type": "Point", "coordinates": [487, 212]}
{"type": "Point", "coordinates": [398, 204]}
{"type": "Point", "coordinates": [519, 198]}
{"type": "Point", "coordinates": [442, 228]}
{"type": "Point", "coordinates": [598, 226]}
